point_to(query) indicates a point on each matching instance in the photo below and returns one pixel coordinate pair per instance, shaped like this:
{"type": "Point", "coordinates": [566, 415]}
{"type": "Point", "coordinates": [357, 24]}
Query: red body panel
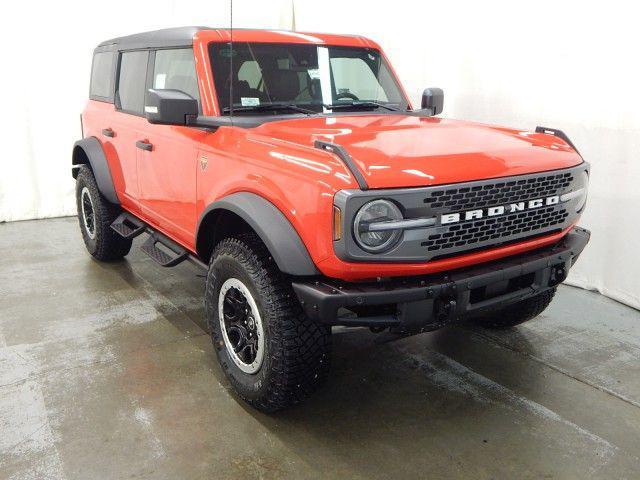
{"type": "Point", "coordinates": [189, 168]}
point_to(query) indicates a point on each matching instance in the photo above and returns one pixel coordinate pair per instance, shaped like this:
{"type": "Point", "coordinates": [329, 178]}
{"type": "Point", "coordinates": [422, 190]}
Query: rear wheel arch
{"type": "Point", "coordinates": [88, 151]}
{"type": "Point", "coordinates": [247, 212]}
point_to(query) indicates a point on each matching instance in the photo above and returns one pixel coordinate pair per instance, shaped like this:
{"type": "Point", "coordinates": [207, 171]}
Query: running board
{"type": "Point", "coordinates": [164, 257]}
{"type": "Point", "coordinates": [128, 226]}
{"type": "Point", "coordinates": [159, 247]}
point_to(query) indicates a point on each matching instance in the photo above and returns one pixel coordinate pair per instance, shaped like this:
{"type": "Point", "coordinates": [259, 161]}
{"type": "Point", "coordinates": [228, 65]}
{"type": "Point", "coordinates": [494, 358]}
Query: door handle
{"type": "Point", "coordinates": [107, 132]}
{"type": "Point", "coordinates": [144, 145]}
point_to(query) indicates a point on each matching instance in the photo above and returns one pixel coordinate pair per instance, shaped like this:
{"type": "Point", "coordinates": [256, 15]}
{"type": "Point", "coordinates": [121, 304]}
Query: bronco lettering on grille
{"type": "Point", "coordinates": [449, 218]}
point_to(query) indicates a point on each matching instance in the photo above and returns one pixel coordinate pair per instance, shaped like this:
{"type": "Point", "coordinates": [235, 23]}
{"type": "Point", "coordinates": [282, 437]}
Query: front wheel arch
{"type": "Point", "coordinates": [244, 211]}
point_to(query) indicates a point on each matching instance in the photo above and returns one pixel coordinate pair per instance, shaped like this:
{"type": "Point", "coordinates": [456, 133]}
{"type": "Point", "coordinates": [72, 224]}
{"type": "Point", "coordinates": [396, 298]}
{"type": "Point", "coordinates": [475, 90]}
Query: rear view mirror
{"type": "Point", "coordinates": [433, 99]}
{"type": "Point", "coordinates": [169, 107]}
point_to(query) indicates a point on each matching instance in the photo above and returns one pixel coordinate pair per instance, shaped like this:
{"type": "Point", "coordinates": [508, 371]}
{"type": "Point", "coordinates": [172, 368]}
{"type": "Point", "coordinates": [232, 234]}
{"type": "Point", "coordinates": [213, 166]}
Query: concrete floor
{"type": "Point", "coordinates": [106, 372]}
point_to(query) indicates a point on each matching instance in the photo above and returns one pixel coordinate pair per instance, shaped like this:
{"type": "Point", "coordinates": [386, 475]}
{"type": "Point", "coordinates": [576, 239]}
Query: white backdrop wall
{"type": "Point", "coordinates": [570, 65]}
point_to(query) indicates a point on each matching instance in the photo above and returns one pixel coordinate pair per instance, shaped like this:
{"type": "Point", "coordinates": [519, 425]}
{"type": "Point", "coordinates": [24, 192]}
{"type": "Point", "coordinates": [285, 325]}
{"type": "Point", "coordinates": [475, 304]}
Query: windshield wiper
{"type": "Point", "coordinates": [359, 104]}
{"type": "Point", "coordinates": [270, 106]}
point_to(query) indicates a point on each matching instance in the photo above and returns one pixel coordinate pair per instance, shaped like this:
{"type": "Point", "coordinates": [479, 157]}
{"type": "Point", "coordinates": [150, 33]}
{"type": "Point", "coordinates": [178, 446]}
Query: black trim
{"type": "Point", "coordinates": [92, 149]}
{"type": "Point", "coordinates": [432, 300]}
{"type": "Point", "coordinates": [342, 153]}
{"type": "Point", "coordinates": [275, 230]}
{"type": "Point", "coordinates": [559, 134]}
{"type": "Point", "coordinates": [168, 37]}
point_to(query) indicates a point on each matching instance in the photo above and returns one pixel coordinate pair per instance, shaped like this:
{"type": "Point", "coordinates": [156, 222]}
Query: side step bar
{"type": "Point", "coordinates": [128, 226]}
{"type": "Point", "coordinates": [163, 257]}
{"type": "Point", "coordinates": [159, 247]}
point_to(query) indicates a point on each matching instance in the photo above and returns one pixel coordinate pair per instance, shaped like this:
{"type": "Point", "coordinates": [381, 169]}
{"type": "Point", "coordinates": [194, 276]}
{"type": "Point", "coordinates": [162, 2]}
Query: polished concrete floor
{"type": "Point", "coordinates": [106, 372]}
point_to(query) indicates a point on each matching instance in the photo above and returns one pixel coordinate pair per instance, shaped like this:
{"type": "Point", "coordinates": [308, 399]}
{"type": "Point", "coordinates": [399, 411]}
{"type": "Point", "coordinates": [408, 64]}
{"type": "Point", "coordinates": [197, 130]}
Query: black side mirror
{"type": "Point", "coordinates": [169, 107]}
{"type": "Point", "coordinates": [433, 99]}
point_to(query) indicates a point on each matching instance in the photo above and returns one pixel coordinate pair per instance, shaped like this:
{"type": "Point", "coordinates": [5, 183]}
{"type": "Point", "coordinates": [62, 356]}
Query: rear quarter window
{"type": "Point", "coordinates": [101, 87]}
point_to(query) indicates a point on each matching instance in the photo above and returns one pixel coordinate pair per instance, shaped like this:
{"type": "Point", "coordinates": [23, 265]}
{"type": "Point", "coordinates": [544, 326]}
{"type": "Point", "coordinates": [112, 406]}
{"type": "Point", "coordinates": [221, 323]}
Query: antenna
{"type": "Point", "coordinates": [231, 63]}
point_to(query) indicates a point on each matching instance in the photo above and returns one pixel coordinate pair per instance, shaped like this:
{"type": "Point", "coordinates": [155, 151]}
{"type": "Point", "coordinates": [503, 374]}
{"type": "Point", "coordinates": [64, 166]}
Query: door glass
{"type": "Point", "coordinates": [131, 82]}
{"type": "Point", "coordinates": [176, 70]}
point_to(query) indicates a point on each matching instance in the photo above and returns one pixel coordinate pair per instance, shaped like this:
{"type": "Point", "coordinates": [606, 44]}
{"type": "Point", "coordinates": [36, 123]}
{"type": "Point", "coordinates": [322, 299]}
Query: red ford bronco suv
{"type": "Point", "coordinates": [293, 168]}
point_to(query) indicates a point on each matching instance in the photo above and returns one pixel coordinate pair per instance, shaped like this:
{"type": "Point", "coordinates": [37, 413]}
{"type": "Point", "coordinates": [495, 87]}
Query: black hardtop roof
{"type": "Point", "coordinates": [167, 37]}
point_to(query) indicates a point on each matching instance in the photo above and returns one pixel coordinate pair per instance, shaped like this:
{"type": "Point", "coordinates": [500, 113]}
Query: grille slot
{"type": "Point", "coordinates": [511, 191]}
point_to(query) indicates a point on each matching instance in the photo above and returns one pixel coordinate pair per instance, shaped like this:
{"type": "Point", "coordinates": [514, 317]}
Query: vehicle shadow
{"type": "Point", "coordinates": [420, 396]}
{"type": "Point", "coordinates": [437, 397]}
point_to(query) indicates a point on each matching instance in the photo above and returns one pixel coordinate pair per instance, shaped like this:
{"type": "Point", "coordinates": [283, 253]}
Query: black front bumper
{"type": "Point", "coordinates": [430, 301]}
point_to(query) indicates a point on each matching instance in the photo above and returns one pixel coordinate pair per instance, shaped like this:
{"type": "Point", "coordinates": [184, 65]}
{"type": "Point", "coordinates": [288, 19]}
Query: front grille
{"type": "Point", "coordinates": [479, 196]}
{"type": "Point", "coordinates": [477, 231]}
{"type": "Point", "coordinates": [492, 231]}
{"type": "Point", "coordinates": [464, 233]}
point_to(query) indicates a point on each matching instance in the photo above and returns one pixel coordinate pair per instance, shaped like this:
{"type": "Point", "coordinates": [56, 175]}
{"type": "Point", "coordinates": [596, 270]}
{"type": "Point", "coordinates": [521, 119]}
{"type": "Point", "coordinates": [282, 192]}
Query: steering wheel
{"type": "Point", "coordinates": [347, 95]}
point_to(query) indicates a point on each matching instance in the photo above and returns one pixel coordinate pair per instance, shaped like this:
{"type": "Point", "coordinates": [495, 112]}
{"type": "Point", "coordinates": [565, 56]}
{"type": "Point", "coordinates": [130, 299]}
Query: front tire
{"type": "Point", "coordinates": [96, 214]}
{"type": "Point", "coordinates": [517, 313]}
{"type": "Point", "coordinates": [273, 355]}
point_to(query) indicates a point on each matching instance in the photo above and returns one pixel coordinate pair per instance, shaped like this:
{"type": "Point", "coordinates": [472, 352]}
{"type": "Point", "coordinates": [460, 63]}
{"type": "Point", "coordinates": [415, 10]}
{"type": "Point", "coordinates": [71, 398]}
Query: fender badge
{"type": "Point", "coordinates": [204, 161]}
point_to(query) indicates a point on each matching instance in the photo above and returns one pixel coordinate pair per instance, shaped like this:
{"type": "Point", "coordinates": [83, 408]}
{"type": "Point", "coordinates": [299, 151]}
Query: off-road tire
{"type": "Point", "coordinates": [517, 313]}
{"type": "Point", "coordinates": [296, 357]}
{"type": "Point", "coordinates": [106, 245]}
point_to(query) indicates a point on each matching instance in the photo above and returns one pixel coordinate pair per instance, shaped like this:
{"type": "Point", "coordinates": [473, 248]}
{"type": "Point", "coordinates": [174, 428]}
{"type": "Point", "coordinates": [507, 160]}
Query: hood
{"type": "Point", "coordinates": [406, 151]}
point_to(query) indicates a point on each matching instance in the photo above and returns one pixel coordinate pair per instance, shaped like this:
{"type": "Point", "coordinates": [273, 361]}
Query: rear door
{"type": "Point", "coordinates": [128, 120]}
{"type": "Point", "coordinates": [167, 169]}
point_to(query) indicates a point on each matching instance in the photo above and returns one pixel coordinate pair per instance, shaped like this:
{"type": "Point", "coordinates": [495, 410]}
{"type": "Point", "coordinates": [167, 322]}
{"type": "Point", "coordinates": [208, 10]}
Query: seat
{"type": "Point", "coordinates": [281, 85]}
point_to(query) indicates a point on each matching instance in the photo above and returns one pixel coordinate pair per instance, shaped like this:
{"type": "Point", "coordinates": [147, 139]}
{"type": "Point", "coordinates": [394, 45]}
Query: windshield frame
{"type": "Point", "coordinates": [323, 108]}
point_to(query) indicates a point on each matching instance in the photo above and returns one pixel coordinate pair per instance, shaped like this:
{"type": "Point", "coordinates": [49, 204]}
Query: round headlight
{"type": "Point", "coordinates": [582, 199]}
{"type": "Point", "coordinates": [366, 234]}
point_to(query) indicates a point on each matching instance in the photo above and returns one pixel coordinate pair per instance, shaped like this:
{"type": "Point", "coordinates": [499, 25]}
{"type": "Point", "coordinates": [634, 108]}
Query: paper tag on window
{"type": "Point", "coordinates": [314, 73]}
{"type": "Point", "coordinates": [249, 101]}
{"type": "Point", "coordinates": [161, 79]}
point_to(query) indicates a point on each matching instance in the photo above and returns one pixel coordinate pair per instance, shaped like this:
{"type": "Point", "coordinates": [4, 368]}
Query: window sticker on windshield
{"type": "Point", "coordinates": [249, 101]}
{"type": "Point", "coordinates": [161, 79]}
{"type": "Point", "coordinates": [314, 73]}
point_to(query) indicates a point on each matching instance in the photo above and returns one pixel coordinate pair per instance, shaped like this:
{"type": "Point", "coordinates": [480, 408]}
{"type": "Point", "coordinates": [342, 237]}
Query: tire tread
{"type": "Point", "coordinates": [299, 347]}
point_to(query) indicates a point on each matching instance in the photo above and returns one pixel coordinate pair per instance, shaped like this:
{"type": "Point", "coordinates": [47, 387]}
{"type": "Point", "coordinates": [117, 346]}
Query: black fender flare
{"type": "Point", "coordinates": [91, 149]}
{"type": "Point", "coordinates": [273, 228]}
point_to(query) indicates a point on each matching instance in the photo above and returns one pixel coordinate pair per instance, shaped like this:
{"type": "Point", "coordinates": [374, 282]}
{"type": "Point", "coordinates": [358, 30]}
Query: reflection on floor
{"type": "Point", "coordinates": [106, 372]}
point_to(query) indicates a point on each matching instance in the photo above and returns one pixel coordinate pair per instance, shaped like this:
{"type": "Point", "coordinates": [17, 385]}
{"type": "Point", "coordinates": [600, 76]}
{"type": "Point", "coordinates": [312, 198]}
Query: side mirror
{"type": "Point", "coordinates": [169, 107]}
{"type": "Point", "coordinates": [433, 99]}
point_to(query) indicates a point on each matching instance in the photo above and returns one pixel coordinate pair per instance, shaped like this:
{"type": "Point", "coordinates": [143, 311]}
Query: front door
{"type": "Point", "coordinates": [168, 164]}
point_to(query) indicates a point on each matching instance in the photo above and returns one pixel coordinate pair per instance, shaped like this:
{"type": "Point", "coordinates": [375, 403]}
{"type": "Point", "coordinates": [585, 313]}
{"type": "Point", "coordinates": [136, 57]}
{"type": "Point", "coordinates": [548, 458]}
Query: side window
{"type": "Point", "coordinates": [102, 75]}
{"type": "Point", "coordinates": [176, 69]}
{"type": "Point", "coordinates": [131, 82]}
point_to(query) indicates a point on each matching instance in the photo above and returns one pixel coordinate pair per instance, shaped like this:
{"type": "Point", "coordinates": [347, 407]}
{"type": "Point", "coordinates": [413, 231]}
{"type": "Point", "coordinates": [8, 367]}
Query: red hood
{"type": "Point", "coordinates": [407, 151]}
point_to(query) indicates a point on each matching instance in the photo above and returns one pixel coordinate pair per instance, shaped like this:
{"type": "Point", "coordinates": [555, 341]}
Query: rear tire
{"type": "Point", "coordinates": [517, 313]}
{"type": "Point", "coordinates": [273, 355]}
{"type": "Point", "coordinates": [95, 215]}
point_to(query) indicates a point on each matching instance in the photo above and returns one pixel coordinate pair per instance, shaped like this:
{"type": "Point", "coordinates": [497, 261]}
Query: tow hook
{"type": "Point", "coordinates": [558, 275]}
{"type": "Point", "coordinates": [446, 310]}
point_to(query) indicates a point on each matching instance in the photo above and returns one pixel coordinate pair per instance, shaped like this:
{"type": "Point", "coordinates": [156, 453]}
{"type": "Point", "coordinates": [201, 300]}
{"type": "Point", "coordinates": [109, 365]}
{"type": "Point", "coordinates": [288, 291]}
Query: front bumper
{"type": "Point", "coordinates": [430, 301]}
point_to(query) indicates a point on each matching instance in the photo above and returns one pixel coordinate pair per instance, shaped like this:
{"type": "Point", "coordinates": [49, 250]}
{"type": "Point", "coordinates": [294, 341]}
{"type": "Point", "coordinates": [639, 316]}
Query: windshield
{"type": "Point", "coordinates": [268, 77]}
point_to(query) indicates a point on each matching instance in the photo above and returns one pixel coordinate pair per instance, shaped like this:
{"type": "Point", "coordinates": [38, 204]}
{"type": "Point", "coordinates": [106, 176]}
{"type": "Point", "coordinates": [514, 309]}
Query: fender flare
{"type": "Point", "coordinates": [94, 153]}
{"type": "Point", "coordinates": [273, 228]}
